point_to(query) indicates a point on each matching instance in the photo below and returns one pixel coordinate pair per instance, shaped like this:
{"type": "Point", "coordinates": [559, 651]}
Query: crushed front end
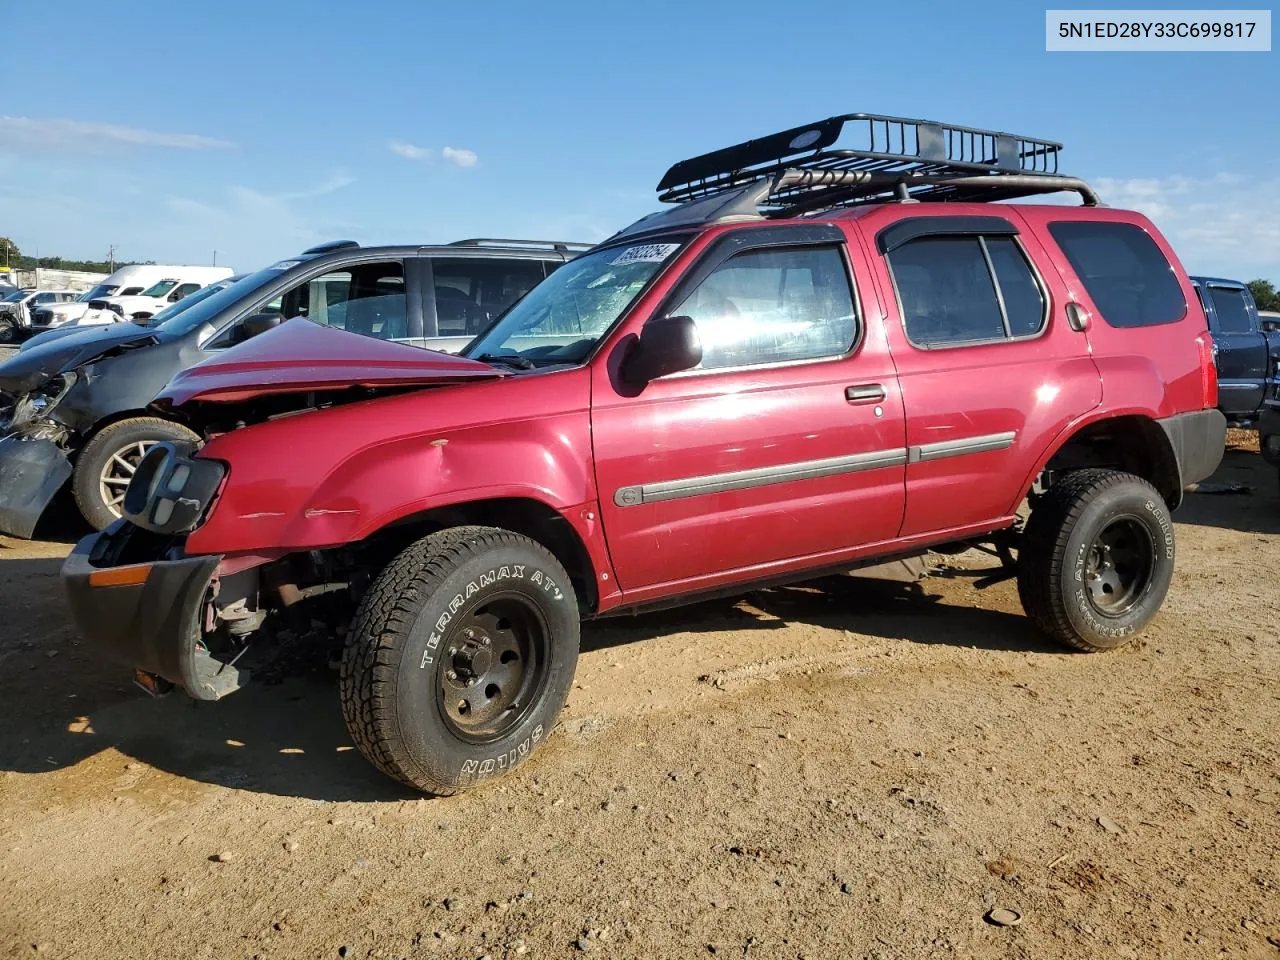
{"type": "Point", "coordinates": [35, 458]}
{"type": "Point", "coordinates": [201, 622]}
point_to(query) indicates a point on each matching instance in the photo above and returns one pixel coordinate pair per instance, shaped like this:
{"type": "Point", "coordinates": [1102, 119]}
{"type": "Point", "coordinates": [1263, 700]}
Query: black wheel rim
{"type": "Point", "coordinates": [1119, 566]}
{"type": "Point", "coordinates": [493, 668]}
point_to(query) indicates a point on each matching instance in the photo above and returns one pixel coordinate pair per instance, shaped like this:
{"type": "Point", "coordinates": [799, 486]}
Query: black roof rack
{"type": "Point", "coordinates": [558, 246]}
{"type": "Point", "coordinates": [803, 170]}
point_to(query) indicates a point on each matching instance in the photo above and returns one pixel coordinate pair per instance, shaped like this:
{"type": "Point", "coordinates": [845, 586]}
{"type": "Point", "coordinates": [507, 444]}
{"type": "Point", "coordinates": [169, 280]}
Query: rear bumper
{"type": "Point", "coordinates": [1269, 432]}
{"type": "Point", "coordinates": [32, 471]}
{"type": "Point", "coordinates": [150, 617]}
{"type": "Point", "coordinates": [1198, 439]}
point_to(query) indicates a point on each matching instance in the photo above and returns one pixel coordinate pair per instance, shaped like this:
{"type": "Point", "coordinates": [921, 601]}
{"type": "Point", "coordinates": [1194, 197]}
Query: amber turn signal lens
{"type": "Point", "coordinates": [129, 576]}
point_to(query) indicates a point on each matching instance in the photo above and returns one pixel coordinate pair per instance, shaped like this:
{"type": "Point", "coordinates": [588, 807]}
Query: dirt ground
{"type": "Point", "coordinates": [837, 769]}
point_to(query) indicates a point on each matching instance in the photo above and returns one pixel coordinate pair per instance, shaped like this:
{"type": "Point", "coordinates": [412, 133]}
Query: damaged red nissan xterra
{"type": "Point", "coordinates": [834, 351]}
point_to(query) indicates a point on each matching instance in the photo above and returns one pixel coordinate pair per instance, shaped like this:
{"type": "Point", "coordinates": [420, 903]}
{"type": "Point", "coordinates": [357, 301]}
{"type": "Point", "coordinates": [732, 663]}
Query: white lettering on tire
{"type": "Point", "coordinates": [515, 571]}
{"type": "Point", "coordinates": [487, 766]}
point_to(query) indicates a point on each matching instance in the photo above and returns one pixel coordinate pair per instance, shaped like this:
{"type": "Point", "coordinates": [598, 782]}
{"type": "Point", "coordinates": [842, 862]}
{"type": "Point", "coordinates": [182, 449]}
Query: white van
{"type": "Point", "coordinates": [141, 291]}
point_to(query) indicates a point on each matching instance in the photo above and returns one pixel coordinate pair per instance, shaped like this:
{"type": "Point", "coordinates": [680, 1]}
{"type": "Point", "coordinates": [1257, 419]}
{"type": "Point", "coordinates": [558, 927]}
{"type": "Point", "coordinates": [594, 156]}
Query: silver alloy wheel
{"type": "Point", "coordinates": [116, 473]}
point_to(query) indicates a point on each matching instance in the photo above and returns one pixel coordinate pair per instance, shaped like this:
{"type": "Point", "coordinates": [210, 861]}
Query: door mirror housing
{"type": "Point", "coordinates": [667, 345]}
{"type": "Point", "coordinates": [250, 327]}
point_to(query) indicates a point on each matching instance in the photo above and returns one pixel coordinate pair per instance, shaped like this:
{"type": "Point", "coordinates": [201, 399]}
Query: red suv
{"type": "Point", "coordinates": [824, 357]}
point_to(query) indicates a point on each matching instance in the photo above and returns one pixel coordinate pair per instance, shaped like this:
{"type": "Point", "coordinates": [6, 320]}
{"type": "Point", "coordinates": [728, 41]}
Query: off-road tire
{"type": "Point", "coordinates": [1055, 551]}
{"type": "Point", "coordinates": [397, 655]}
{"type": "Point", "coordinates": [123, 435]}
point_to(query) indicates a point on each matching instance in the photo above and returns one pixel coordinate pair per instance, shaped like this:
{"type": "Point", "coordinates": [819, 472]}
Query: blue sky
{"type": "Point", "coordinates": [174, 129]}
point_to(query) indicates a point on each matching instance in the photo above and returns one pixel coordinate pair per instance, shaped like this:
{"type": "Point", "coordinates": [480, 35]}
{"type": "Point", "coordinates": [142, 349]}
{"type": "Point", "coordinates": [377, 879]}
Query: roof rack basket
{"type": "Point", "coordinates": [556, 246]}
{"type": "Point", "coordinates": [803, 170]}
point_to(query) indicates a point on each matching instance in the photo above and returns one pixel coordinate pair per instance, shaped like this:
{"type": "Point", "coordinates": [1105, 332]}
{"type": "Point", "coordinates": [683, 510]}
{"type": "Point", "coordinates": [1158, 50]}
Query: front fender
{"type": "Point", "coordinates": [335, 476]}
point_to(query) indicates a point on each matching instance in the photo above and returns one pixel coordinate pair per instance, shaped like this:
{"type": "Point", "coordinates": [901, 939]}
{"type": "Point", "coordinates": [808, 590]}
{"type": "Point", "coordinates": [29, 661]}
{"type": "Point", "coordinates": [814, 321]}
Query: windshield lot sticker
{"type": "Point", "coordinates": [648, 253]}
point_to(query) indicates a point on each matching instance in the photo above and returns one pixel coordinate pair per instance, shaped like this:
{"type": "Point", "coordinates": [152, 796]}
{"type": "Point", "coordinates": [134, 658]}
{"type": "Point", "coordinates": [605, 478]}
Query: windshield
{"type": "Point", "coordinates": [15, 296]}
{"type": "Point", "coordinates": [563, 318]}
{"type": "Point", "coordinates": [159, 289]}
{"type": "Point", "coordinates": [192, 316]}
{"type": "Point", "coordinates": [185, 303]}
{"type": "Point", "coordinates": [101, 290]}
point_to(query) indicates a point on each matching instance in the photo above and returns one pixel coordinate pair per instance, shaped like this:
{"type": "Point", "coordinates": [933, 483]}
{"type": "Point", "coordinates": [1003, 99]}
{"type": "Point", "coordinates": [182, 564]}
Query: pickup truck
{"type": "Point", "coordinates": [1246, 348]}
{"type": "Point", "coordinates": [820, 358]}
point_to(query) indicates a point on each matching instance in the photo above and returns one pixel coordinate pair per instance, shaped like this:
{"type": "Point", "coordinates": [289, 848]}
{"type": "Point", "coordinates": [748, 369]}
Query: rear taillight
{"type": "Point", "coordinates": [1208, 371]}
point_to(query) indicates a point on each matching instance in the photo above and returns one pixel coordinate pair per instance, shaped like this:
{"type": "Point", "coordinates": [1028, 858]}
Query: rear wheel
{"type": "Point", "coordinates": [107, 462]}
{"type": "Point", "coordinates": [459, 658]}
{"type": "Point", "coordinates": [1097, 559]}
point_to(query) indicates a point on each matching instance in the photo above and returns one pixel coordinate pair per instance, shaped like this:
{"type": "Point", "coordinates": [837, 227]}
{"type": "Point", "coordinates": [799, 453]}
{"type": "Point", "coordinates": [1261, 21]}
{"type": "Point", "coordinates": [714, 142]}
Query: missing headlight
{"type": "Point", "coordinates": [171, 488]}
{"type": "Point", "coordinates": [30, 408]}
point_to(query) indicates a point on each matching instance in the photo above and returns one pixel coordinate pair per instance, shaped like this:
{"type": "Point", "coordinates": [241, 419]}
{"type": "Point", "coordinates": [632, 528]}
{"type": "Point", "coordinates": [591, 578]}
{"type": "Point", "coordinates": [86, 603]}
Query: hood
{"type": "Point", "coordinates": [47, 356]}
{"type": "Point", "coordinates": [131, 301]}
{"type": "Point", "coordinates": [300, 356]}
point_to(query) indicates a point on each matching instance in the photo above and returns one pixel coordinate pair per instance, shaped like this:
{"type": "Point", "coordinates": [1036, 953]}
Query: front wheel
{"type": "Point", "coordinates": [106, 464]}
{"type": "Point", "coordinates": [8, 330]}
{"type": "Point", "coordinates": [460, 658]}
{"type": "Point", "coordinates": [1096, 559]}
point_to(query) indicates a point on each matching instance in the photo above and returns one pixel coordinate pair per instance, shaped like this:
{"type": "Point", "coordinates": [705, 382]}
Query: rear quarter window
{"type": "Point", "coordinates": [1130, 281]}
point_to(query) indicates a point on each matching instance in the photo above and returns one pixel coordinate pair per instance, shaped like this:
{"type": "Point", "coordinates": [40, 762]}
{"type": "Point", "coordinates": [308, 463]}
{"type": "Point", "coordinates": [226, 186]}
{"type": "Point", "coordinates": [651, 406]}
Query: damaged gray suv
{"type": "Point", "coordinates": [74, 407]}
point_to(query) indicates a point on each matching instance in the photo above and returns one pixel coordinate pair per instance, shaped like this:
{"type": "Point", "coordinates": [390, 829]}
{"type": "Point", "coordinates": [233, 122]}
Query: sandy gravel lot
{"type": "Point", "coordinates": [836, 769]}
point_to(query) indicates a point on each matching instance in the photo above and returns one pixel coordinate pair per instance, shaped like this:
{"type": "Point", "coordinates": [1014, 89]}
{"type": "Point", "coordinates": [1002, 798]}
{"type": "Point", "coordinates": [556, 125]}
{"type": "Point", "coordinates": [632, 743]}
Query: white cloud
{"type": "Point", "coordinates": [1224, 224]}
{"type": "Point", "coordinates": [460, 156]}
{"type": "Point", "coordinates": [29, 135]}
{"type": "Point", "coordinates": [408, 150]}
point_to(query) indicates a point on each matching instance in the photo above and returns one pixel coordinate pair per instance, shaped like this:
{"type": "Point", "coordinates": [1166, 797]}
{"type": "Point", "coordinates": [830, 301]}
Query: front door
{"type": "Point", "coordinates": [784, 444]}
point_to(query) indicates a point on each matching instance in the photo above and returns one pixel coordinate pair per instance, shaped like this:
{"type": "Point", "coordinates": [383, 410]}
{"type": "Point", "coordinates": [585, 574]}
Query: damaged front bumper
{"type": "Point", "coordinates": [148, 614]}
{"type": "Point", "coordinates": [33, 468]}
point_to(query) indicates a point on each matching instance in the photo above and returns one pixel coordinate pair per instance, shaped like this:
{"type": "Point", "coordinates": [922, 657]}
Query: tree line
{"type": "Point", "coordinates": [15, 259]}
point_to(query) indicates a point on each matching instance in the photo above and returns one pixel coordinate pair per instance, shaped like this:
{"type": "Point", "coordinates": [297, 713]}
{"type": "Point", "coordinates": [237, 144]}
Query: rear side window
{"type": "Point", "coordinates": [1128, 278]}
{"type": "Point", "coordinates": [1233, 314]}
{"type": "Point", "coordinates": [472, 292]}
{"type": "Point", "coordinates": [958, 290]}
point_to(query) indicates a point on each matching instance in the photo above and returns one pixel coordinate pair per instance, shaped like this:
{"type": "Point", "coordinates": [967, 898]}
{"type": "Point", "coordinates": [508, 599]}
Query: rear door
{"type": "Point", "coordinates": [991, 373]}
{"type": "Point", "coordinates": [1242, 348]}
{"type": "Point", "coordinates": [783, 445]}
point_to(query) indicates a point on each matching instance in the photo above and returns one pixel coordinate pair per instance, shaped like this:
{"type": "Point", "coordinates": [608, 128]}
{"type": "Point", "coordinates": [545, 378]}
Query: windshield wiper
{"type": "Point", "coordinates": [510, 359]}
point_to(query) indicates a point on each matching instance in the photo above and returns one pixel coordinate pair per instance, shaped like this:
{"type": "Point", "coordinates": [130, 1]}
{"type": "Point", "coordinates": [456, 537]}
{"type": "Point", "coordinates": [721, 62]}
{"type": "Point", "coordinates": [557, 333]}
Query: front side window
{"type": "Point", "coordinates": [1128, 278]}
{"type": "Point", "coordinates": [1233, 314]}
{"type": "Point", "coordinates": [957, 290]}
{"type": "Point", "coordinates": [470, 293]}
{"type": "Point", "coordinates": [183, 290]}
{"type": "Point", "coordinates": [562, 319]}
{"type": "Point", "coordinates": [159, 289]}
{"type": "Point", "coordinates": [773, 306]}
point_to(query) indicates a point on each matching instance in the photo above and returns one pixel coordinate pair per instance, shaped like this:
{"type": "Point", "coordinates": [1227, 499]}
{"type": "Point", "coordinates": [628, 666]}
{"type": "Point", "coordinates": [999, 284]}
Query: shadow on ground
{"type": "Point", "coordinates": [1256, 510]}
{"type": "Point", "coordinates": [60, 704]}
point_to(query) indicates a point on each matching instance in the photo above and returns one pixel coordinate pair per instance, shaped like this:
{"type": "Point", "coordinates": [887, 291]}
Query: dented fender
{"type": "Point", "coordinates": [337, 475]}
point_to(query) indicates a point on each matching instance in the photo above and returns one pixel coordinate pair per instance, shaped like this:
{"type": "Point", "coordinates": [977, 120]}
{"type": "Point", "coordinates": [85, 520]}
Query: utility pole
{"type": "Point", "coordinates": [111, 257]}
{"type": "Point", "coordinates": [215, 258]}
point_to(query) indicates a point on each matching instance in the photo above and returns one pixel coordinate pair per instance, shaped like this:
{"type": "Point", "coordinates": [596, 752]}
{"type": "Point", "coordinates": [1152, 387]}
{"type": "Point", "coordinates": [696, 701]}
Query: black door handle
{"type": "Point", "coordinates": [865, 393]}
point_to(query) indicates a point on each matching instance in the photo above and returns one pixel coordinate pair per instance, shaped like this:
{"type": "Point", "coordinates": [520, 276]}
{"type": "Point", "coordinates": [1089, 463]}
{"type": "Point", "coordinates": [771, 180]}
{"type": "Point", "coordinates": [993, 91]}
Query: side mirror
{"type": "Point", "coordinates": [667, 345]}
{"type": "Point", "coordinates": [250, 327]}
{"type": "Point", "coordinates": [175, 296]}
